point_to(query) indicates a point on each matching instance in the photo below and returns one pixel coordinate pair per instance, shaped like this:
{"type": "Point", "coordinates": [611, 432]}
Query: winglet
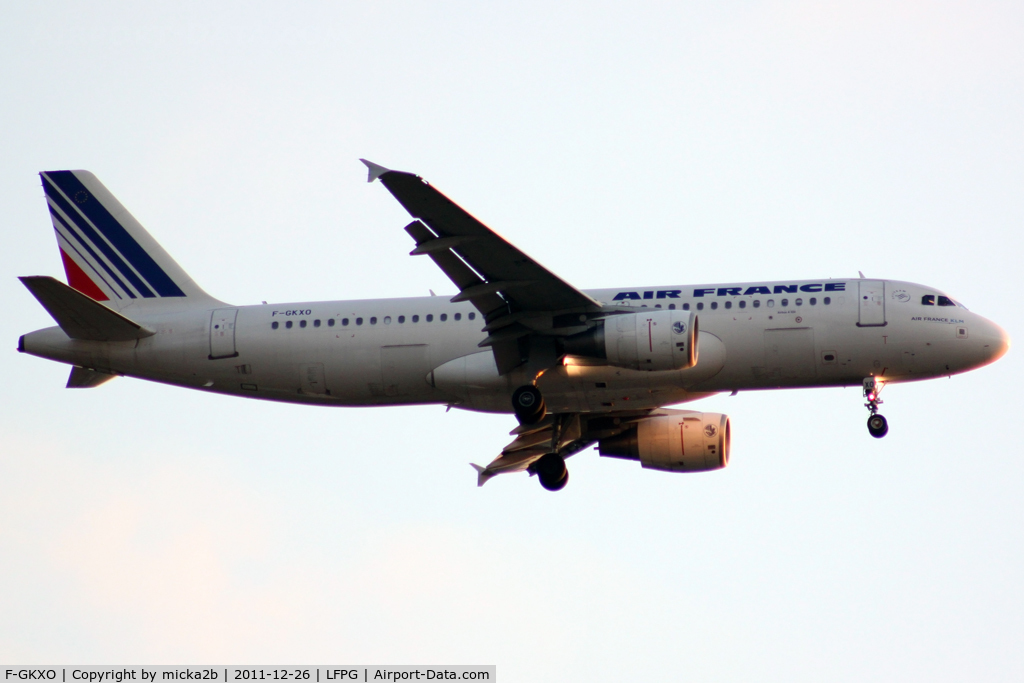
{"type": "Point", "coordinates": [376, 171]}
{"type": "Point", "coordinates": [482, 475]}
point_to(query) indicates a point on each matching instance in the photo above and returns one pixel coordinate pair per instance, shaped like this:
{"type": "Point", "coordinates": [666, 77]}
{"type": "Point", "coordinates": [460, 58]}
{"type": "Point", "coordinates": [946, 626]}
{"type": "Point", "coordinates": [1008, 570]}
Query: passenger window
{"type": "Point", "coordinates": [288, 324]}
{"type": "Point", "coordinates": [945, 301]}
{"type": "Point", "coordinates": [387, 320]}
{"type": "Point", "coordinates": [316, 323]}
{"type": "Point", "coordinates": [686, 307]}
{"type": "Point", "coordinates": [274, 325]}
{"type": "Point", "coordinates": [757, 303]}
{"type": "Point", "coordinates": [344, 322]}
{"type": "Point", "coordinates": [373, 320]}
{"type": "Point", "coordinates": [728, 304]}
{"type": "Point", "coordinates": [700, 306]}
{"type": "Point", "coordinates": [430, 317]}
{"type": "Point", "coordinates": [827, 300]}
{"type": "Point", "coordinates": [671, 307]}
{"type": "Point", "coordinates": [743, 303]}
{"type": "Point", "coordinates": [784, 303]}
{"type": "Point", "coordinates": [472, 316]}
{"type": "Point", "coordinates": [359, 321]}
{"type": "Point", "coordinates": [330, 322]}
{"type": "Point", "coordinates": [458, 316]}
{"type": "Point", "coordinates": [928, 300]}
{"type": "Point", "coordinates": [657, 305]}
{"type": "Point", "coordinates": [415, 318]}
{"type": "Point", "coordinates": [302, 323]}
{"type": "Point", "coordinates": [771, 303]}
{"type": "Point", "coordinates": [812, 301]}
{"type": "Point", "coordinates": [444, 316]}
{"type": "Point", "coordinates": [401, 319]}
{"type": "Point", "coordinates": [799, 302]}
{"type": "Point", "coordinates": [714, 305]}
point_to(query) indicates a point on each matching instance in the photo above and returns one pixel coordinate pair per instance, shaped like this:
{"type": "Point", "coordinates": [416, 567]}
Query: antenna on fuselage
{"type": "Point", "coordinates": [861, 273]}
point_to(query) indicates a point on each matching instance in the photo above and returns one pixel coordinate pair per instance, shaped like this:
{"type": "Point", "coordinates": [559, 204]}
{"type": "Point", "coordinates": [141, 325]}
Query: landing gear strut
{"type": "Point", "coordinates": [878, 426]}
{"type": "Point", "coordinates": [528, 405]}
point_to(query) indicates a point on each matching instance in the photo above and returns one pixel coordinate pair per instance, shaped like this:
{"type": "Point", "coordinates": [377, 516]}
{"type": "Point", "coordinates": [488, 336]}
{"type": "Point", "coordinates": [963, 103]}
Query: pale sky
{"type": "Point", "coordinates": [619, 144]}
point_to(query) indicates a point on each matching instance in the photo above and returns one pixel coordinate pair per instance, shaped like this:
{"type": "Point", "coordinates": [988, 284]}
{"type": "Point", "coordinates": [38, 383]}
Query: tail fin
{"type": "Point", "coordinates": [107, 254]}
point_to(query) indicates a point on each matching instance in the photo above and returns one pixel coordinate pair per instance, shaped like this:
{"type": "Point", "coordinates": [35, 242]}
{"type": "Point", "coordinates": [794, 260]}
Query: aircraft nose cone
{"type": "Point", "coordinates": [997, 342]}
{"type": "Point", "coordinates": [1003, 343]}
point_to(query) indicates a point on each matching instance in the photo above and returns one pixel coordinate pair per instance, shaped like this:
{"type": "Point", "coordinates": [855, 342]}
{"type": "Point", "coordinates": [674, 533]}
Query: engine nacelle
{"type": "Point", "coordinates": [652, 340]}
{"type": "Point", "coordinates": [674, 441]}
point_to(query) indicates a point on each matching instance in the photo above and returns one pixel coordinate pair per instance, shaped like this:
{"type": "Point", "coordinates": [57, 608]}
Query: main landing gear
{"type": "Point", "coordinates": [528, 405]}
{"type": "Point", "coordinates": [530, 409]}
{"type": "Point", "coordinates": [552, 472]}
{"type": "Point", "coordinates": [878, 426]}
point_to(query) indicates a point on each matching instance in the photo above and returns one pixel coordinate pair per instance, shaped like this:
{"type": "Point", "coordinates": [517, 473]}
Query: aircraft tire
{"type": "Point", "coordinates": [878, 426]}
{"type": "Point", "coordinates": [552, 472]}
{"type": "Point", "coordinates": [528, 404]}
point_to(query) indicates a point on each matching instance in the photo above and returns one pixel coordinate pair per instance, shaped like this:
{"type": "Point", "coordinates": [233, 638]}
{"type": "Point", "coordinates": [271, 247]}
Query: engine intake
{"type": "Point", "coordinates": [674, 441]}
{"type": "Point", "coordinates": [651, 340]}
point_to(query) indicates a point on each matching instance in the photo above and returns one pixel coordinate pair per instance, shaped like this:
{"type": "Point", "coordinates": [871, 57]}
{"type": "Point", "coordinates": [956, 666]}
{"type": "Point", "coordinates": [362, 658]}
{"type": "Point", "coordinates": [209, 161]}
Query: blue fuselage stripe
{"type": "Point", "coordinates": [85, 245]}
{"type": "Point", "coordinates": [117, 235]}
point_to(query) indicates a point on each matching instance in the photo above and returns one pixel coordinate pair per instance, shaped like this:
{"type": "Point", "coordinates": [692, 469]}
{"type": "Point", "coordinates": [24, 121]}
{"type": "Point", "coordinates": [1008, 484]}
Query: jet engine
{"type": "Point", "coordinates": [674, 441]}
{"type": "Point", "coordinates": [651, 340]}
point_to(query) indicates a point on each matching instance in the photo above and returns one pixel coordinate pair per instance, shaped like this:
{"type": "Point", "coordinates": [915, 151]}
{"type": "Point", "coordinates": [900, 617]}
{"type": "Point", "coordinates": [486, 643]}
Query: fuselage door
{"type": "Point", "coordinates": [872, 303]}
{"type": "Point", "coordinates": [222, 333]}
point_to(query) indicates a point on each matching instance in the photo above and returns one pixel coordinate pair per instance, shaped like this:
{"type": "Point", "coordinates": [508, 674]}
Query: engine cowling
{"type": "Point", "coordinates": [651, 340]}
{"type": "Point", "coordinates": [674, 441]}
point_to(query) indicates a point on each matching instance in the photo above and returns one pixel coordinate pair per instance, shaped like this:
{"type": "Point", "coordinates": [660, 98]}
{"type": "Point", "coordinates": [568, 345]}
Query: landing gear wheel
{"type": "Point", "coordinates": [878, 426]}
{"type": "Point", "coordinates": [551, 472]}
{"type": "Point", "coordinates": [528, 405]}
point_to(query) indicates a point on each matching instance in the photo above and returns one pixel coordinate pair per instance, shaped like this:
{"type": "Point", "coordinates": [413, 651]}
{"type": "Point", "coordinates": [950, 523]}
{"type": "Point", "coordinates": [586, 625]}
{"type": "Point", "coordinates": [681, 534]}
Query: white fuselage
{"type": "Point", "coordinates": [426, 350]}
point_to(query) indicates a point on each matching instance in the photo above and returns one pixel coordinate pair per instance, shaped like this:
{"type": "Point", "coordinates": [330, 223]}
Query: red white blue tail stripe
{"type": "Point", "coordinates": [100, 244]}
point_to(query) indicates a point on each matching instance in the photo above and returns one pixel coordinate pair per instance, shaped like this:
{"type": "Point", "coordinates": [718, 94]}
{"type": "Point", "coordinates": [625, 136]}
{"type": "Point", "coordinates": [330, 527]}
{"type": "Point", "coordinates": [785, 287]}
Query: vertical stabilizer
{"type": "Point", "coordinates": [107, 254]}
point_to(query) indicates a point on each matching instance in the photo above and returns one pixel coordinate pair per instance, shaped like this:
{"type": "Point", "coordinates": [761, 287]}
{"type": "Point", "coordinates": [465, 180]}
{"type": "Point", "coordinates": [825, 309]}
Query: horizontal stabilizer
{"type": "Point", "coordinates": [79, 316]}
{"type": "Point", "coordinates": [84, 378]}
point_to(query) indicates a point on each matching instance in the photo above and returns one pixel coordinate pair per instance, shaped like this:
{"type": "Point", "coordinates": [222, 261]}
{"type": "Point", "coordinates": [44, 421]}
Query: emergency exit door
{"type": "Point", "coordinates": [222, 333]}
{"type": "Point", "coordinates": [872, 303]}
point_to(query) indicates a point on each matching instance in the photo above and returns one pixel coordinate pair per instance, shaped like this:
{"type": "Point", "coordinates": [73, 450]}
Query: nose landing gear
{"type": "Point", "coordinates": [878, 426]}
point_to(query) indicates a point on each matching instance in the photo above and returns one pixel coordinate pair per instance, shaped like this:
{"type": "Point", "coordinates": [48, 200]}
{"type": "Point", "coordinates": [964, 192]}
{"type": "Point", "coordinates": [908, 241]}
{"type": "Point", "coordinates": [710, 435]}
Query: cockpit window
{"type": "Point", "coordinates": [946, 301]}
{"type": "Point", "coordinates": [928, 300]}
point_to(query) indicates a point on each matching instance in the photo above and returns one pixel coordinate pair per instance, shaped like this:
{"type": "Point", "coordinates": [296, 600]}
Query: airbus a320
{"type": "Point", "coordinates": [576, 368]}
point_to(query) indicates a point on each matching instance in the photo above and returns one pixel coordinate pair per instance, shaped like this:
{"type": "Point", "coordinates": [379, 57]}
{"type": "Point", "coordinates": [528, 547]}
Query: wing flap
{"type": "Point", "coordinates": [460, 273]}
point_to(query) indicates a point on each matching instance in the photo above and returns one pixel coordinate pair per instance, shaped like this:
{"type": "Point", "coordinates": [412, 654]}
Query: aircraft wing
{"type": "Point", "coordinates": [565, 434]}
{"type": "Point", "coordinates": [508, 287]}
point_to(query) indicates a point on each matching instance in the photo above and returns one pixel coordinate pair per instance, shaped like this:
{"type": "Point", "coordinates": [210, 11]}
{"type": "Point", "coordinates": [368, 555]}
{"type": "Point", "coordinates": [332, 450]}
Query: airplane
{"type": "Point", "coordinates": [576, 368]}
